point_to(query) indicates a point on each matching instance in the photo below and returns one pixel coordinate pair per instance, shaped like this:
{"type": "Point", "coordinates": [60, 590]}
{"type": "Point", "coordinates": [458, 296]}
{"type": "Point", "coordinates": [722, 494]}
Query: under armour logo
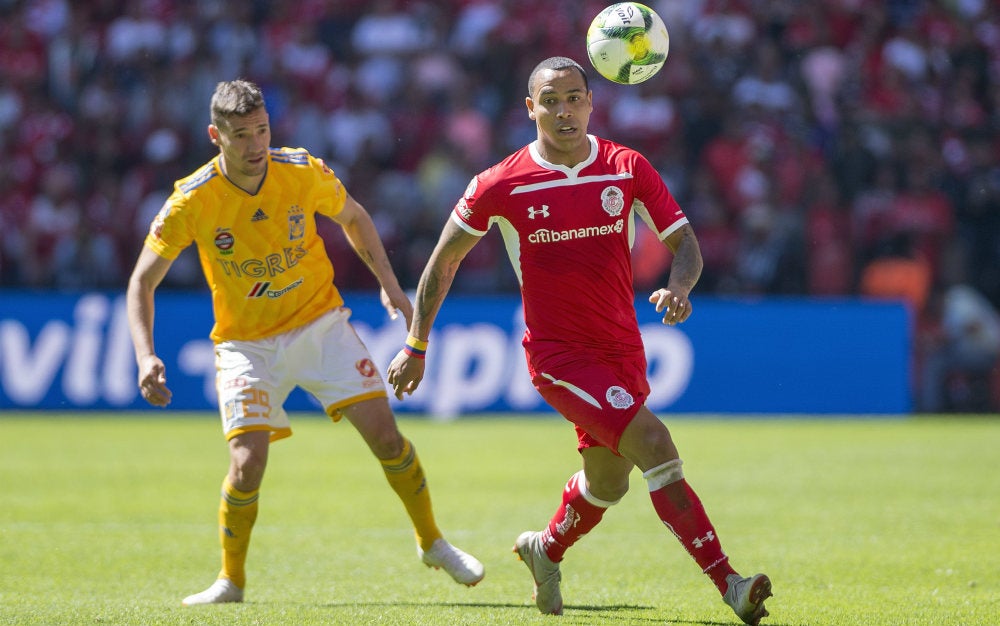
{"type": "Point", "coordinates": [532, 211]}
{"type": "Point", "coordinates": [700, 541]}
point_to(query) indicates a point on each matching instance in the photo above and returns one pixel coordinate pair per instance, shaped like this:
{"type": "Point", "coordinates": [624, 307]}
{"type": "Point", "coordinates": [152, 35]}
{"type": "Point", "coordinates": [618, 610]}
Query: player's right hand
{"type": "Point", "coordinates": [405, 373]}
{"type": "Point", "coordinates": [153, 381]}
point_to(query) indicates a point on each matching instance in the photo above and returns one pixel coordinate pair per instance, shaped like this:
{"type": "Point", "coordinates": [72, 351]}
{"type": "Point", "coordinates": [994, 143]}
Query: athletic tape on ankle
{"type": "Point", "coordinates": [662, 475]}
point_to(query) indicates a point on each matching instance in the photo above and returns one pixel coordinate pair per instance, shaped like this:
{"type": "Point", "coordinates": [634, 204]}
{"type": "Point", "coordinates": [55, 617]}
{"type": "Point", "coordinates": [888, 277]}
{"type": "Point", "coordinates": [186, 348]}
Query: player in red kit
{"type": "Point", "coordinates": [565, 205]}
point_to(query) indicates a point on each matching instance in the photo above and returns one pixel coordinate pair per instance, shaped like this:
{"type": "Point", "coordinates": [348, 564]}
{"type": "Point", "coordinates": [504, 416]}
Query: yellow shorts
{"type": "Point", "coordinates": [325, 357]}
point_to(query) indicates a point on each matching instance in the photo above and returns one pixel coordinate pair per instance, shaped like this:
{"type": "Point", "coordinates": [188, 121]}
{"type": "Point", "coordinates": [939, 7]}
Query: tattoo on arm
{"type": "Point", "coordinates": [685, 270]}
{"type": "Point", "coordinates": [431, 292]}
{"type": "Point", "coordinates": [437, 277]}
{"type": "Point", "coordinates": [366, 257]}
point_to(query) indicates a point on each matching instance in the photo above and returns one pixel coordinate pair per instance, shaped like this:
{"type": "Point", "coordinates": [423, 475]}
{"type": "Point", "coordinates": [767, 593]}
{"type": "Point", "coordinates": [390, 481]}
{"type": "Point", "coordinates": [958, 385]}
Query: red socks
{"type": "Point", "coordinates": [676, 504]}
{"type": "Point", "coordinates": [680, 510]}
{"type": "Point", "coordinates": [580, 511]}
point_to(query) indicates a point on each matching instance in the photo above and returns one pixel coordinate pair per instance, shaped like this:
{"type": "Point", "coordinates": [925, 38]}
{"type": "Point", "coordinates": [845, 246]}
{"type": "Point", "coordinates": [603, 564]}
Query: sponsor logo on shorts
{"type": "Point", "coordinates": [544, 235]}
{"type": "Point", "coordinates": [613, 200]}
{"type": "Point", "coordinates": [619, 398]}
{"type": "Point", "coordinates": [366, 368]}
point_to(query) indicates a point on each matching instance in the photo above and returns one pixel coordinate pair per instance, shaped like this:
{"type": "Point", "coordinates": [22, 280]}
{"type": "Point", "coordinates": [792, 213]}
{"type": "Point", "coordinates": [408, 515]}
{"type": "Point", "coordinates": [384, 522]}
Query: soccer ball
{"type": "Point", "coordinates": [627, 43]}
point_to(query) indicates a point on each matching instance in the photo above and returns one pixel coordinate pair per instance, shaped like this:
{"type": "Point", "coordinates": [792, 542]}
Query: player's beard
{"type": "Point", "coordinates": [253, 168]}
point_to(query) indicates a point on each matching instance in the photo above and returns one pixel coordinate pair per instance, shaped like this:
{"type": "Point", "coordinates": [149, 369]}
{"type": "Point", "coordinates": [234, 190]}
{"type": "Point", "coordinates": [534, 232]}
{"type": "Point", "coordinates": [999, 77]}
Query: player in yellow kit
{"type": "Point", "coordinates": [279, 320]}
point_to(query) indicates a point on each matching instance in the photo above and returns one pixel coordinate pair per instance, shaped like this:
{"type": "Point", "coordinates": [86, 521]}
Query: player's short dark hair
{"type": "Point", "coordinates": [235, 97]}
{"type": "Point", "coordinates": [556, 63]}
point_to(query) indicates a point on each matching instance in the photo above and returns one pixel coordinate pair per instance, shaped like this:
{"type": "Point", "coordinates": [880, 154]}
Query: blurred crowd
{"type": "Point", "coordinates": [843, 147]}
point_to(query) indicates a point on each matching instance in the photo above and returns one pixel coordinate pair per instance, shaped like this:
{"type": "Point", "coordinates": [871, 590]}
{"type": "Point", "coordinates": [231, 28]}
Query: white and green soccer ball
{"type": "Point", "coordinates": [627, 43]}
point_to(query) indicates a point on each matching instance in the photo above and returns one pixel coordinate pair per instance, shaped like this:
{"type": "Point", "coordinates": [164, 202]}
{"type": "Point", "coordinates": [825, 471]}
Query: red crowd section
{"type": "Point", "coordinates": [835, 148]}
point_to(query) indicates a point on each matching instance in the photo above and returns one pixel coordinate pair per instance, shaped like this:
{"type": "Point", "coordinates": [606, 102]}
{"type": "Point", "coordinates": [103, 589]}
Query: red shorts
{"type": "Point", "coordinates": [599, 394]}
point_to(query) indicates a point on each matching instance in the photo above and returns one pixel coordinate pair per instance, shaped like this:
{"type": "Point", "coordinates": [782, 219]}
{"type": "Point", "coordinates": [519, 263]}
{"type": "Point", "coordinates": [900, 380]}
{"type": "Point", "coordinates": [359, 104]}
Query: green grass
{"type": "Point", "coordinates": [112, 520]}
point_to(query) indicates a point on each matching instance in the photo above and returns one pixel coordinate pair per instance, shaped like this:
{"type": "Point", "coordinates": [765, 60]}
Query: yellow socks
{"type": "Point", "coordinates": [237, 514]}
{"type": "Point", "coordinates": [406, 477]}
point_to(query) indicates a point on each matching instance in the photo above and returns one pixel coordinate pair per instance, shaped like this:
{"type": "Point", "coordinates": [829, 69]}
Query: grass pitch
{"type": "Point", "coordinates": [111, 520]}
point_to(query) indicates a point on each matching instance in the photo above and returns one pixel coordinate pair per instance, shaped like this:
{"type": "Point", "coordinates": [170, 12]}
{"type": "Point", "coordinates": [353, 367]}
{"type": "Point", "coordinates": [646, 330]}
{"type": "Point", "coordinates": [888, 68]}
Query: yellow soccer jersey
{"type": "Point", "coordinates": [265, 263]}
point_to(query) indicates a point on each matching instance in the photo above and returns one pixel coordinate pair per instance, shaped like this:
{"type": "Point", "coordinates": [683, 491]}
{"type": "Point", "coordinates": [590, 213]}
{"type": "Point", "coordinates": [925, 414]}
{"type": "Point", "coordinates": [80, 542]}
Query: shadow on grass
{"type": "Point", "coordinates": [577, 613]}
{"type": "Point", "coordinates": [491, 605]}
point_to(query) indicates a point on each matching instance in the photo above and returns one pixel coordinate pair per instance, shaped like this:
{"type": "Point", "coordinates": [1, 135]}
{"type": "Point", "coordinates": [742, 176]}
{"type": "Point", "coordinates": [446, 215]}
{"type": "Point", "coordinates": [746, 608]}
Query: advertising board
{"type": "Point", "coordinates": [785, 356]}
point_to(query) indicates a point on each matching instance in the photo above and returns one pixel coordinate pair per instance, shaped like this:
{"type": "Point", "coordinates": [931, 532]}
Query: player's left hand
{"type": "Point", "coordinates": [405, 373]}
{"type": "Point", "coordinates": [675, 306]}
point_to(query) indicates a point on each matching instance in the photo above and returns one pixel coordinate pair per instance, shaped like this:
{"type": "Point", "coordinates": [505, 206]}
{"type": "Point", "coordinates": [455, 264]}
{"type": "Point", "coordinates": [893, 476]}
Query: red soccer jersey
{"type": "Point", "coordinates": [569, 233]}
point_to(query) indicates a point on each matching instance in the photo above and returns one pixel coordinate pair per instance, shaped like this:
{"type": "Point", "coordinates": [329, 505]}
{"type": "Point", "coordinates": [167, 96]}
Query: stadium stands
{"type": "Point", "coordinates": [801, 137]}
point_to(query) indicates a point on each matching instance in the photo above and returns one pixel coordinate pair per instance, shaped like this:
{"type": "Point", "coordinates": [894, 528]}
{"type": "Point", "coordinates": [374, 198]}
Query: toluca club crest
{"type": "Point", "coordinates": [619, 398]}
{"type": "Point", "coordinates": [613, 200]}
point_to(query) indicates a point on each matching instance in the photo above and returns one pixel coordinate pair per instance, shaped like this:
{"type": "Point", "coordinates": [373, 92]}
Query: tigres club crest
{"type": "Point", "coordinates": [619, 398]}
{"type": "Point", "coordinates": [613, 200]}
{"type": "Point", "coordinates": [296, 222]}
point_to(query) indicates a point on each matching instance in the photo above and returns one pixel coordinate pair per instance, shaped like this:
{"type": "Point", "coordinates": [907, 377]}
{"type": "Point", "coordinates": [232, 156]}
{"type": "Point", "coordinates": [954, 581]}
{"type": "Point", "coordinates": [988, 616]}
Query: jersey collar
{"type": "Point", "coordinates": [570, 171]}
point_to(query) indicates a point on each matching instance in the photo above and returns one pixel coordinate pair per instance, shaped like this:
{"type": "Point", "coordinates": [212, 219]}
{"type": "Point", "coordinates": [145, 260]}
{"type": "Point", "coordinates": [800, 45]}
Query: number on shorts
{"type": "Point", "coordinates": [254, 399]}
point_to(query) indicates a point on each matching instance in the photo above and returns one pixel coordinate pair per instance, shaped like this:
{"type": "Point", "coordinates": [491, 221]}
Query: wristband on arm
{"type": "Point", "coordinates": [415, 348]}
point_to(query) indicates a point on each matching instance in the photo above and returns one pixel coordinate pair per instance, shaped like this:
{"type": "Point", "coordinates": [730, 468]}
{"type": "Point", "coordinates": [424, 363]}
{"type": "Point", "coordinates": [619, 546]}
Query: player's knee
{"type": "Point", "coordinates": [647, 442]}
{"type": "Point", "coordinates": [607, 486]}
{"type": "Point", "coordinates": [609, 491]}
{"type": "Point", "coordinates": [246, 472]}
{"type": "Point", "coordinates": [248, 459]}
{"type": "Point", "coordinates": [376, 423]}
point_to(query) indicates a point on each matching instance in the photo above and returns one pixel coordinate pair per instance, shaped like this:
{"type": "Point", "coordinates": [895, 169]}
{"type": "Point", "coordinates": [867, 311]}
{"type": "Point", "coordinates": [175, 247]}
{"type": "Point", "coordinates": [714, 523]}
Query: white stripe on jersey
{"type": "Point", "coordinates": [640, 209]}
{"type": "Point", "coordinates": [570, 181]}
{"type": "Point", "coordinates": [472, 231]}
{"type": "Point", "coordinates": [511, 242]}
{"type": "Point", "coordinates": [508, 233]}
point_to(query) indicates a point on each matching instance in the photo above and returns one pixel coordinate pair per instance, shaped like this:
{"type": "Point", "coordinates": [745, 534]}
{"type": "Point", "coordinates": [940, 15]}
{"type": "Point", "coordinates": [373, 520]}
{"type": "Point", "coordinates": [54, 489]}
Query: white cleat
{"type": "Point", "coordinates": [464, 568]}
{"type": "Point", "coordinates": [544, 571]}
{"type": "Point", "coordinates": [222, 590]}
{"type": "Point", "coordinates": [746, 597]}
